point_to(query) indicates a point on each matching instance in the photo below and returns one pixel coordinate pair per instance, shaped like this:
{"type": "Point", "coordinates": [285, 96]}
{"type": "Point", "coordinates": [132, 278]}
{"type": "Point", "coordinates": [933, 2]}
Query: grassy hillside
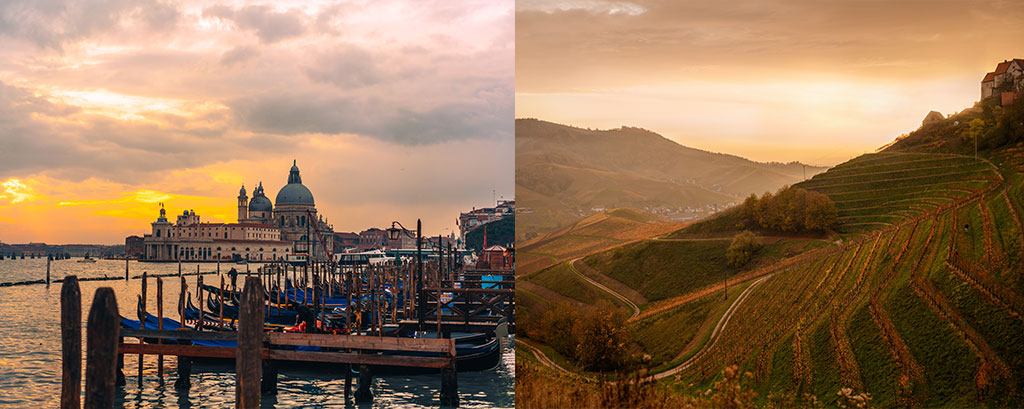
{"type": "Point", "coordinates": [597, 232]}
{"type": "Point", "coordinates": [563, 173]}
{"type": "Point", "coordinates": [923, 307]}
{"type": "Point", "coordinates": [922, 303]}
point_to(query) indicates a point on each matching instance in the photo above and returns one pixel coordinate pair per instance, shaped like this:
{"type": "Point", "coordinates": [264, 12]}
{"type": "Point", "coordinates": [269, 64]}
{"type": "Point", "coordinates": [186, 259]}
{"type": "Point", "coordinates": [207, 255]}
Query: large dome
{"type": "Point", "coordinates": [294, 193]}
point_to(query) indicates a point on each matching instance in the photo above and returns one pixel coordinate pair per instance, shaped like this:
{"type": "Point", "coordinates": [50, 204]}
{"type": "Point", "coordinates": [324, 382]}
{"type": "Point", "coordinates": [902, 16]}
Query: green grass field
{"type": "Point", "coordinates": [912, 307]}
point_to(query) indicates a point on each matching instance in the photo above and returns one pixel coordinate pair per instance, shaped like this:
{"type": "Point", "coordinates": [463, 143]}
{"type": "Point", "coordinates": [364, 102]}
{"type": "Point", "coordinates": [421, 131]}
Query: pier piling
{"type": "Point", "coordinates": [160, 325]}
{"type": "Point", "coordinates": [248, 362]}
{"type": "Point", "coordinates": [449, 387]}
{"type": "Point", "coordinates": [49, 258]}
{"type": "Point", "coordinates": [101, 350]}
{"type": "Point", "coordinates": [364, 394]}
{"type": "Point", "coordinates": [184, 373]}
{"type": "Point", "coordinates": [142, 320]}
{"type": "Point", "coordinates": [71, 343]}
{"type": "Point", "coordinates": [268, 384]}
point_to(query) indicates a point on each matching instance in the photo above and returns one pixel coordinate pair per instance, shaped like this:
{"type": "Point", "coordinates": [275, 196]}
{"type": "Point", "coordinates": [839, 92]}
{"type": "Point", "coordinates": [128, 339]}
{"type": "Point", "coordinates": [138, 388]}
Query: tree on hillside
{"type": "Point", "coordinates": [742, 249]}
{"type": "Point", "coordinates": [557, 329]}
{"type": "Point", "coordinates": [790, 210]}
{"type": "Point", "coordinates": [603, 339]}
{"type": "Point", "coordinates": [822, 214]}
{"type": "Point", "coordinates": [748, 213]}
{"type": "Point", "coordinates": [501, 232]}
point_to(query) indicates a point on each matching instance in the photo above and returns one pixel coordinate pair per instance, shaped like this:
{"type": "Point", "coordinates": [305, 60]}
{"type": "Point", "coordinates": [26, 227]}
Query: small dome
{"type": "Point", "coordinates": [260, 204]}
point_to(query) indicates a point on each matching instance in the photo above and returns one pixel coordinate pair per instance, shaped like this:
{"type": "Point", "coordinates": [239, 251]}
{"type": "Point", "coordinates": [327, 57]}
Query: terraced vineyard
{"type": "Point", "coordinates": [922, 303]}
{"type": "Point", "coordinates": [884, 189]}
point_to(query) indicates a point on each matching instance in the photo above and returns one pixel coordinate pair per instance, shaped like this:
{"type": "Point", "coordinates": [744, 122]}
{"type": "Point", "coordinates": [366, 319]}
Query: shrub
{"type": "Point", "coordinates": [742, 249]}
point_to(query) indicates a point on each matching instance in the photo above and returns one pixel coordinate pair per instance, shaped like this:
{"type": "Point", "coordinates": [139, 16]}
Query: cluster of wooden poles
{"type": "Point", "coordinates": [254, 374]}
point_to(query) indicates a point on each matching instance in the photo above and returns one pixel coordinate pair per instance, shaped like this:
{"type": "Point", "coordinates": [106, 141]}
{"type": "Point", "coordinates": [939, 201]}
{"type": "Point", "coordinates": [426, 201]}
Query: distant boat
{"type": "Point", "coordinates": [296, 259]}
{"type": "Point", "coordinates": [87, 259]}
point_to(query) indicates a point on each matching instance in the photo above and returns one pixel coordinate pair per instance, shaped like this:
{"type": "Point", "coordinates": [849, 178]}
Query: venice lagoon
{"type": "Point", "coordinates": [30, 351]}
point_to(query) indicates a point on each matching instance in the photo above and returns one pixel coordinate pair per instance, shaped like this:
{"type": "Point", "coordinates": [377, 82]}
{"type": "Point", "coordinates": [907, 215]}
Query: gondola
{"type": "Point", "coordinates": [473, 352]}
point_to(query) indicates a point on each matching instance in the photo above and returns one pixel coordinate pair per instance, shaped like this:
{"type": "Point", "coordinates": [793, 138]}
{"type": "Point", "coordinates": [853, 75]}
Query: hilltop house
{"type": "Point", "coordinates": [1005, 82]}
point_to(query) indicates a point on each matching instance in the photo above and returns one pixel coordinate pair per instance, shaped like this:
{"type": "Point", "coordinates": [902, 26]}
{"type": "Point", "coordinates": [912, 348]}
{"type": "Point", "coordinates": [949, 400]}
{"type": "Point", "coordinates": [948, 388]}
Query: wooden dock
{"type": "Point", "coordinates": [257, 355]}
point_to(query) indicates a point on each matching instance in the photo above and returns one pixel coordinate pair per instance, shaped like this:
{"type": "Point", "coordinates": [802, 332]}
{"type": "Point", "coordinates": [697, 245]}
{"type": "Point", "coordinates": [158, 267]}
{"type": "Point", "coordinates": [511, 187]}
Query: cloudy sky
{"type": "Point", "coordinates": [809, 80]}
{"type": "Point", "coordinates": [393, 109]}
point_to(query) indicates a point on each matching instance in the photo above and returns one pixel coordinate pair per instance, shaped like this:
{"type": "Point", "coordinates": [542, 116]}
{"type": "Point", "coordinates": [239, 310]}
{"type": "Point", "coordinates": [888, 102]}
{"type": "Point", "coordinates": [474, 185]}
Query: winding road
{"type": "Point", "coordinates": [715, 334]}
{"type": "Point", "coordinates": [620, 297]}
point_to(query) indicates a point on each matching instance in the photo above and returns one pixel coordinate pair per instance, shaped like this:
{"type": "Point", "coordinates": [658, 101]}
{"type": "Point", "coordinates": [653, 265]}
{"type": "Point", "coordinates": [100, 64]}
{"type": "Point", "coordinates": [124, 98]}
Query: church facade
{"type": "Point", "coordinates": [265, 231]}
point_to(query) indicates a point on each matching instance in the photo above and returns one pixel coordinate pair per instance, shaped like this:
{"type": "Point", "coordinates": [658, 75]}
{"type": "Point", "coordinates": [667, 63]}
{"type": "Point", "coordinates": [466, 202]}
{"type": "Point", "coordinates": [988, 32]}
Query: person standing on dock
{"type": "Point", "coordinates": [233, 274]}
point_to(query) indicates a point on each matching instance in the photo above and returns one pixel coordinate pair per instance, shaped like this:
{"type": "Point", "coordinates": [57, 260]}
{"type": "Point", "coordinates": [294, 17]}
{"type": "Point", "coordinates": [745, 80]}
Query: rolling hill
{"type": "Point", "coordinates": [564, 173]}
{"type": "Point", "coordinates": [921, 302]}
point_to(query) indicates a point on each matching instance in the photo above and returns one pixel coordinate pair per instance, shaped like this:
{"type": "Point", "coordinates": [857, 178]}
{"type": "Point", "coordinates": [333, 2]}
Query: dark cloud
{"type": "Point", "coordinates": [347, 67]}
{"type": "Point", "coordinates": [52, 23]}
{"type": "Point", "coordinates": [270, 26]}
{"type": "Point", "coordinates": [487, 116]}
{"type": "Point", "coordinates": [238, 54]}
{"type": "Point", "coordinates": [96, 145]}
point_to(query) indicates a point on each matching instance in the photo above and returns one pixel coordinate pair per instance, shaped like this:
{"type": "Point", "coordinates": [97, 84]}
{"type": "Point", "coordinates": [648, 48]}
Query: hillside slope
{"type": "Point", "coordinates": [563, 173]}
{"type": "Point", "coordinates": [921, 302]}
{"type": "Point", "coordinates": [922, 307]}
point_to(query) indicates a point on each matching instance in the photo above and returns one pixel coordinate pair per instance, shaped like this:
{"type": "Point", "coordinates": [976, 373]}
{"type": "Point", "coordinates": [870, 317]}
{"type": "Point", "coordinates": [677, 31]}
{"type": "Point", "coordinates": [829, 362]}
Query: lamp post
{"type": "Point", "coordinates": [393, 234]}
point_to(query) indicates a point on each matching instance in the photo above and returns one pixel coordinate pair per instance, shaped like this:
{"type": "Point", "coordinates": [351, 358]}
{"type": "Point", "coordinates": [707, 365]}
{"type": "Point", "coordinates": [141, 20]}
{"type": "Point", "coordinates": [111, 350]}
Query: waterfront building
{"type": "Point", "coordinates": [188, 239]}
{"type": "Point", "coordinates": [479, 217]}
{"type": "Point", "coordinates": [265, 231]}
{"type": "Point", "coordinates": [134, 246]}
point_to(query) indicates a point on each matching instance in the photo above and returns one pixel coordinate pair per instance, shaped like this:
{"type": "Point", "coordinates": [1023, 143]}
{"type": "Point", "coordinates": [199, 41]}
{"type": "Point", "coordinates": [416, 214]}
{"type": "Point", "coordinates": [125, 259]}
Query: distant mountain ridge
{"type": "Point", "coordinates": [564, 173]}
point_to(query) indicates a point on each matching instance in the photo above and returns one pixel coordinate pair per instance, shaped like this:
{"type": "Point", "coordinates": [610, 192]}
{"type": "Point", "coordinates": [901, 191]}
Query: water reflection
{"type": "Point", "coordinates": [30, 352]}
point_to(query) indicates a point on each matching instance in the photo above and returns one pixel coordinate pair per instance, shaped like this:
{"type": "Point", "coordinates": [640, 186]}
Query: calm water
{"type": "Point", "coordinates": [30, 351]}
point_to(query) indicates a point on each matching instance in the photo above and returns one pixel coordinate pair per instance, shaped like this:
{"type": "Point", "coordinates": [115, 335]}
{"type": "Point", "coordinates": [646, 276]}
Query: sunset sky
{"type": "Point", "coordinates": [393, 109]}
{"type": "Point", "coordinates": [815, 81]}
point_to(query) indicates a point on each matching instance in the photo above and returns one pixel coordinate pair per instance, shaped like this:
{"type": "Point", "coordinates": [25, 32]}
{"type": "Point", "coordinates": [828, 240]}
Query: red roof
{"type": "Point", "coordinates": [1001, 67]}
{"type": "Point", "coordinates": [989, 77]}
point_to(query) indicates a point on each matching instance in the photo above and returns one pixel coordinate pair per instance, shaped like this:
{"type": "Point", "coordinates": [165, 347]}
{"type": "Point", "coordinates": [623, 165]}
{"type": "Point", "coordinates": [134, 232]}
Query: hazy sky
{"type": "Point", "coordinates": [815, 81]}
{"type": "Point", "coordinates": [393, 109]}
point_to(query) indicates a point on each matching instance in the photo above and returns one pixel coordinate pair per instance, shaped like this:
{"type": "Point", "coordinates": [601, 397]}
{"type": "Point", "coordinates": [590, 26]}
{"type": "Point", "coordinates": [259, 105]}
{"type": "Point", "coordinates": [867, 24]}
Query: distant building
{"type": "Point", "coordinates": [135, 246]}
{"type": "Point", "coordinates": [265, 231]}
{"type": "Point", "coordinates": [495, 258]}
{"type": "Point", "coordinates": [293, 212]}
{"type": "Point", "coordinates": [372, 238]}
{"type": "Point", "coordinates": [345, 241]}
{"type": "Point", "coordinates": [188, 239]}
{"type": "Point", "coordinates": [478, 217]}
{"type": "Point", "coordinates": [1008, 78]}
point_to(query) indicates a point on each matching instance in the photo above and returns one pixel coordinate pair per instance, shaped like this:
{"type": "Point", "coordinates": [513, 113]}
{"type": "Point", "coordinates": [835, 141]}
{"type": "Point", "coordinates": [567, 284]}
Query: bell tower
{"type": "Point", "coordinates": [243, 205]}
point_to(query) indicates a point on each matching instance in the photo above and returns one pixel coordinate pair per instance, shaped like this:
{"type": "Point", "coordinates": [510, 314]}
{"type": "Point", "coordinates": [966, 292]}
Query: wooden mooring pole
{"type": "Point", "coordinates": [103, 329]}
{"type": "Point", "coordinates": [71, 344]}
{"type": "Point", "coordinates": [160, 325]}
{"type": "Point", "coordinates": [248, 361]}
{"type": "Point", "coordinates": [142, 321]}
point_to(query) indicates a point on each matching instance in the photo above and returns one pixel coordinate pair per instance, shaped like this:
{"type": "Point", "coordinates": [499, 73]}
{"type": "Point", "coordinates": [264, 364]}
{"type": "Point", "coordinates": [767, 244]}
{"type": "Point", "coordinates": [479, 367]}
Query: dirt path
{"type": "Point", "coordinates": [543, 358]}
{"type": "Point", "coordinates": [627, 301]}
{"type": "Point", "coordinates": [717, 333]}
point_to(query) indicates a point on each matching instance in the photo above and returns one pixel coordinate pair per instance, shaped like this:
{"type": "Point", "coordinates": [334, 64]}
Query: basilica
{"type": "Point", "coordinates": [265, 231]}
